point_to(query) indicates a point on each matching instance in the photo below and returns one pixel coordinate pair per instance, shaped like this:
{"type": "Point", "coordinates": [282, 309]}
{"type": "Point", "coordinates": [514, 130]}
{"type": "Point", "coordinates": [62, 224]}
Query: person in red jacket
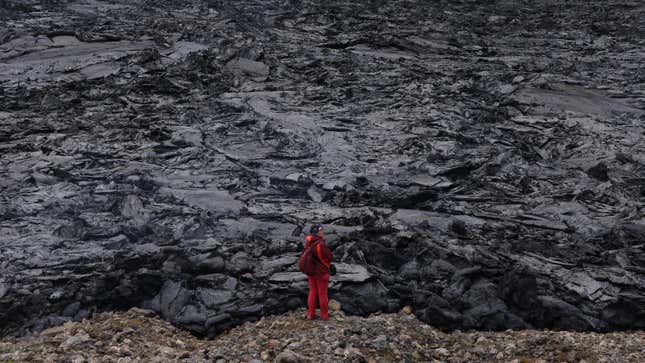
{"type": "Point", "coordinates": [318, 280]}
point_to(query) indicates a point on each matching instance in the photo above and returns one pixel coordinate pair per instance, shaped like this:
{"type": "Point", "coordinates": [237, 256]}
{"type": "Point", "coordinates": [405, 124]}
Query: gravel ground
{"type": "Point", "coordinates": [138, 335]}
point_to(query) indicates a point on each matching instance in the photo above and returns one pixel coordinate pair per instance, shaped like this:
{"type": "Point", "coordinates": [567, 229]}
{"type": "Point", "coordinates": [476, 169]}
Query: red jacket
{"type": "Point", "coordinates": [322, 252]}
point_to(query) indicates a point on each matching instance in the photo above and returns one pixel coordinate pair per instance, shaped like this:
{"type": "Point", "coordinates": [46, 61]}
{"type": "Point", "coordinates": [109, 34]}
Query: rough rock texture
{"type": "Point", "coordinates": [483, 162]}
{"type": "Point", "coordinates": [135, 336]}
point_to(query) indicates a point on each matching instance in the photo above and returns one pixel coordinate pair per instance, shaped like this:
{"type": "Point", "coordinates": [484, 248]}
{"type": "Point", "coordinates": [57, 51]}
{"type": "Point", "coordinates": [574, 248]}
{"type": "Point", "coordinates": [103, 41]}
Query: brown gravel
{"type": "Point", "coordinates": [137, 335]}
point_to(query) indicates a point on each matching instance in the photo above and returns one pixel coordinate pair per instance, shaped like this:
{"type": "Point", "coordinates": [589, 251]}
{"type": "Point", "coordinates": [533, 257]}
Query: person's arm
{"type": "Point", "coordinates": [324, 254]}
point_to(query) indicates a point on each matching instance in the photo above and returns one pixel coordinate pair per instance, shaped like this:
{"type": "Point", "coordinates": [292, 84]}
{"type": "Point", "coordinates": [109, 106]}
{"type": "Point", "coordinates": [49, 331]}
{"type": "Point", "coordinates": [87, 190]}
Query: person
{"type": "Point", "coordinates": [319, 278]}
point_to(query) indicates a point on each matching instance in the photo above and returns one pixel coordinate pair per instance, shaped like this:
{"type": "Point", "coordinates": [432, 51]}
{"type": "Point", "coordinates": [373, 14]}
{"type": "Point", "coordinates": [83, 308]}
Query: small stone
{"type": "Point", "coordinates": [272, 344]}
{"type": "Point", "coordinates": [299, 178]}
{"type": "Point", "coordinates": [380, 342]}
{"type": "Point", "coordinates": [142, 312]}
{"type": "Point", "coordinates": [481, 340]}
{"type": "Point", "coordinates": [289, 356]}
{"type": "Point", "coordinates": [53, 331]}
{"type": "Point", "coordinates": [518, 79]}
{"type": "Point", "coordinates": [407, 310]}
{"type": "Point", "coordinates": [354, 355]}
{"type": "Point", "coordinates": [334, 305]}
{"type": "Point", "coordinates": [76, 341]}
{"type": "Point", "coordinates": [56, 295]}
{"type": "Point", "coordinates": [506, 89]}
{"type": "Point", "coordinates": [441, 351]}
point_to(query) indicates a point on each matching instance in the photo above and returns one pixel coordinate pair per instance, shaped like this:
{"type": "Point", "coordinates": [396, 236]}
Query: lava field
{"type": "Point", "coordinates": [482, 162]}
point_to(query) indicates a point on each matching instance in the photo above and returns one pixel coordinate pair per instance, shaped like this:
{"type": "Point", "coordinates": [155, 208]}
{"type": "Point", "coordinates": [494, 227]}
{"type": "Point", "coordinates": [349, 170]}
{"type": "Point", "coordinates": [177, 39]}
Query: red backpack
{"type": "Point", "coordinates": [308, 260]}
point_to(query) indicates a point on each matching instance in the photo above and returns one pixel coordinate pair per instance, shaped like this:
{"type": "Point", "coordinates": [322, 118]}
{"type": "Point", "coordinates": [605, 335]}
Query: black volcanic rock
{"type": "Point", "coordinates": [483, 163]}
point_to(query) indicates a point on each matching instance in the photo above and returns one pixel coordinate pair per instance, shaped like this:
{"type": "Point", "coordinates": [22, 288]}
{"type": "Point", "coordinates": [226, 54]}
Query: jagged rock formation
{"type": "Point", "coordinates": [483, 163]}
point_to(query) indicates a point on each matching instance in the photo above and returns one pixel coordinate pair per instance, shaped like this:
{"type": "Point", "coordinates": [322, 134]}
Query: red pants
{"type": "Point", "coordinates": [318, 291]}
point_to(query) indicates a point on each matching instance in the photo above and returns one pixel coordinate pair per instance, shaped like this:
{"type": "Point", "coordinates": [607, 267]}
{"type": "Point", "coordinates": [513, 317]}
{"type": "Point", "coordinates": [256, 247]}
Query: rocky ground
{"type": "Point", "coordinates": [483, 162]}
{"type": "Point", "coordinates": [137, 335]}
